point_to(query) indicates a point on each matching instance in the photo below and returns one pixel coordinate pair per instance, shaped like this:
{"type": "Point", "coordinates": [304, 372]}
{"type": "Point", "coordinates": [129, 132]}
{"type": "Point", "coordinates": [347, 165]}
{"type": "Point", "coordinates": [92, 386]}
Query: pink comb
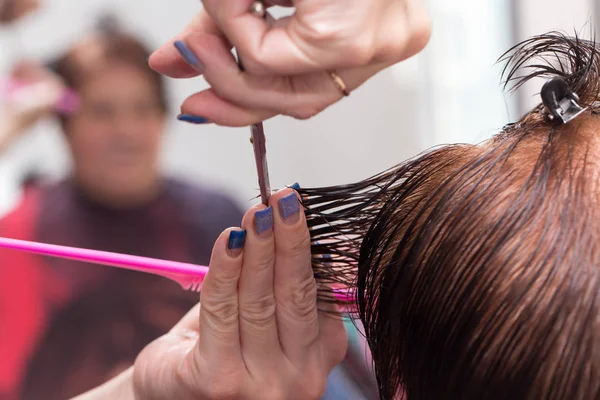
{"type": "Point", "coordinates": [189, 276]}
{"type": "Point", "coordinates": [67, 104]}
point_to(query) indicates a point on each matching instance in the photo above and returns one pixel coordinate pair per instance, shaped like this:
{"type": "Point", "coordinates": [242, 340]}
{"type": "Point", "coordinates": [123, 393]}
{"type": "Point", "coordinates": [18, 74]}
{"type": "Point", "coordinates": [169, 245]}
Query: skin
{"type": "Point", "coordinates": [114, 138]}
{"type": "Point", "coordinates": [285, 60]}
{"type": "Point", "coordinates": [116, 135]}
{"type": "Point", "coordinates": [18, 9]}
{"type": "Point", "coordinates": [258, 334]}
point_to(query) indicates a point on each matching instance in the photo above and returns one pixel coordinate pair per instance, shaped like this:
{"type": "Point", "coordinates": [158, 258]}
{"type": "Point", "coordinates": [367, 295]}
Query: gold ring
{"type": "Point", "coordinates": [339, 83]}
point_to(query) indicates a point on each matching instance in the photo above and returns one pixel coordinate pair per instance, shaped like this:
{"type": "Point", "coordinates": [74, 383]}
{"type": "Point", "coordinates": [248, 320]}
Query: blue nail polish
{"type": "Point", "coordinates": [237, 239]}
{"type": "Point", "coordinates": [263, 220]}
{"type": "Point", "coordinates": [295, 186]}
{"type": "Point", "coordinates": [289, 206]}
{"type": "Point", "coordinates": [192, 119]}
{"type": "Point", "coordinates": [188, 55]}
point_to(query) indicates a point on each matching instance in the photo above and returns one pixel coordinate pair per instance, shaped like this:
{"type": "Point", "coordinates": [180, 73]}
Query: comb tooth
{"type": "Point", "coordinates": [195, 287]}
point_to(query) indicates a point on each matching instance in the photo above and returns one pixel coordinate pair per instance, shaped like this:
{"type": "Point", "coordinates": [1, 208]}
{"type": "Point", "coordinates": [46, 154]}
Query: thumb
{"type": "Point", "coordinates": [159, 368]}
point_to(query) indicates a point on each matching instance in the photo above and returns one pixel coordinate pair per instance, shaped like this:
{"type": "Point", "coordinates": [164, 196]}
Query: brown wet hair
{"type": "Point", "coordinates": [477, 267]}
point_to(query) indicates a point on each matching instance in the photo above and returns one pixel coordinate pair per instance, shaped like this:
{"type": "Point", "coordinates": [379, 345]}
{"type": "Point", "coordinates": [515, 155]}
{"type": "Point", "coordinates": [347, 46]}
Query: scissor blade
{"type": "Point", "coordinates": [260, 156]}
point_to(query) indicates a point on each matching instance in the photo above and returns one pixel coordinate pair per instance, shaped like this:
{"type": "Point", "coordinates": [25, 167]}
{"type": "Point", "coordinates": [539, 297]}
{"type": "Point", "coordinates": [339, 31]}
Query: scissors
{"type": "Point", "coordinates": [257, 131]}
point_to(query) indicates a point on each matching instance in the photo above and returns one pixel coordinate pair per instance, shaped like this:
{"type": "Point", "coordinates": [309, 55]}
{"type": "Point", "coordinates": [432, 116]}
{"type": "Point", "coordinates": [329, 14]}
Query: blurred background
{"type": "Point", "coordinates": [449, 93]}
{"type": "Point", "coordinates": [71, 328]}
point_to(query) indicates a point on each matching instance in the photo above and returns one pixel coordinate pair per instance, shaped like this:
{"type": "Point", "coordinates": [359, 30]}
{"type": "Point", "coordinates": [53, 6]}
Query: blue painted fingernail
{"type": "Point", "coordinates": [237, 239]}
{"type": "Point", "coordinates": [236, 242]}
{"type": "Point", "coordinates": [295, 186]}
{"type": "Point", "coordinates": [188, 55]}
{"type": "Point", "coordinates": [263, 221]}
{"type": "Point", "coordinates": [193, 119]}
{"type": "Point", "coordinates": [289, 207]}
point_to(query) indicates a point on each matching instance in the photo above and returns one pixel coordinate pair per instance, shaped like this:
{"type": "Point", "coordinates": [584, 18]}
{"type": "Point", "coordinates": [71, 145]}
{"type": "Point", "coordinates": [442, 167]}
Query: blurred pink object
{"type": "Point", "coordinates": [189, 276]}
{"type": "Point", "coordinates": [68, 103]}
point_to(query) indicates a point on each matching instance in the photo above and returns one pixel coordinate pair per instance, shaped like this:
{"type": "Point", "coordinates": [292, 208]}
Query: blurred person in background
{"type": "Point", "coordinates": [72, 327]}
{"type": "Point", "coordinates": [12, 10]}
{"type": "Point", "coordinates": [116, 199]}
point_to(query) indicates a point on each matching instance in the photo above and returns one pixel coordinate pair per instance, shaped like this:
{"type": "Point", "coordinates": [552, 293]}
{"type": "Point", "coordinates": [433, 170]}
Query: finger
{"type": "Point", "coordinates": [219, 328]}
{"type": "Point", "coordinates": [167, 59]}
{"type": "Point", "coordinates": [214, 109]}
{"type": "Point", "coordinates": [284, 49]}
{"type": "Point", "coordinates": [189, 322]}
{"type": "Point", "coordinates": [332, 333]}
{"type": "Point", "coordinates": [295, 286]}
{"type": "Point", "coordinates": [300, 97]}
{"type": "Point", "coordinates": [258, 328]}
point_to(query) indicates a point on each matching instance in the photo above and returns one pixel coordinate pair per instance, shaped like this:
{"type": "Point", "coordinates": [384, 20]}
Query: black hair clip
{"type": "Point", "coordinates": [560, 101]}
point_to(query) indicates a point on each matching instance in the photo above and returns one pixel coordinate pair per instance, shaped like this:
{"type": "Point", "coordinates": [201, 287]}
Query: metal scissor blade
{"type": "Point", "coordinates": [258, 133]}
{"type": "Point", "coordinates": [260, 156]}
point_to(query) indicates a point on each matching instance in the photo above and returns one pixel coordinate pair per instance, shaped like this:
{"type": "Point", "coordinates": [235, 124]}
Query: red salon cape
{"type": "Point", "coordinates": [30, 289]}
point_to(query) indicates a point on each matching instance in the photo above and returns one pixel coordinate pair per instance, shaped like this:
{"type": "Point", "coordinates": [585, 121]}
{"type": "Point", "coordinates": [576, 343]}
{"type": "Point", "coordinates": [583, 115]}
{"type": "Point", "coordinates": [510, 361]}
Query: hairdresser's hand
{"type": "Point", "coordinates": [286, 60]}
{"type": "Point", "coordinates": [259, 334]}
{"type": "Point", "coordinates": [38, 97]}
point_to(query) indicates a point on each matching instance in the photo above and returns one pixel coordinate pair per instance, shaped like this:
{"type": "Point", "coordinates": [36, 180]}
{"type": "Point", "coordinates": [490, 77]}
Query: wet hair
{"type": "Point", "coordinates": [477, 267]}
{"type": "Point", "coordinates": [107, 44]}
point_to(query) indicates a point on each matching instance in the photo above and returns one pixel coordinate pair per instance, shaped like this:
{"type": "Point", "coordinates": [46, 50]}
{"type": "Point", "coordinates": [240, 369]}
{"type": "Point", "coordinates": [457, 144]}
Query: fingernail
{"type": "Point", "coordinates": [295, 186]}
{"type": "Point", "coordinates": [188, 55]}
{"type": "Point", "coordinates": [289, 207]}
{"type": "Point", "coordinates": [263, 221]}
{"type": "Point", "coordinates": [236, 242]}
{"type": "Point", "coordinates": [193, 119]}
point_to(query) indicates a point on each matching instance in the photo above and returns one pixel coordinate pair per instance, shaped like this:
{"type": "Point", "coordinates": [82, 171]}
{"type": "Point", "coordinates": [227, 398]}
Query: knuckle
{"type": "Point", "coordinates": [223, 284]}
{"type": "Point", "coordinates": [420, 35]}
{"type": "Point", "coordinates": [414, 39]}
{"type": "Point", "coordinates": [259, 311]}
{"type": "Point", "coordinates": [358, 52]}
{"type": "Point", "coordinates": [222, 315]}
{"type": "Point", "coordinates": [354, 50]}
{"type": "Point", "coordinates": [301, 244]}
{"type": "Point", "coordinates": [222, 90]}
{"type": "Point", "coordinates": [323, 33]}
{"type": "Point", "coordinates": [264, 265]}
{"type": "Point", "coordinates": [303, 299]}
{"type": "Point", "coordinates": [254, 65]}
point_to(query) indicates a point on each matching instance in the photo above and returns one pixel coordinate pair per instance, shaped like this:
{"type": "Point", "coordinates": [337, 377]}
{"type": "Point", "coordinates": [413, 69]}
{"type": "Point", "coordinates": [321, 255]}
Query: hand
{"type": "Point", "coordinates": [12, 10]}
{"type": "Point", "coordinates": [286, 61]}
{"type": "Point", "coordinates": [36, 99]}
{"type": "Point", "coordinates": [259, 335]}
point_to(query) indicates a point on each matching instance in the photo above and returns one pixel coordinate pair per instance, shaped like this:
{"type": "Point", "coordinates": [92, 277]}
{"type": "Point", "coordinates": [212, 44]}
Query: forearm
{"type": "Point", "coordinates": [10, 128]}
{"type": "Point", "coordinates": [118, 388]}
